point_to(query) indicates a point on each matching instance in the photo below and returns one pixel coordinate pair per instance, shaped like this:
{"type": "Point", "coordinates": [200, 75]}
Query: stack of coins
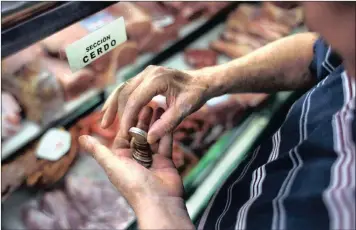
{"type": "Point", "coordinates": [141, 151]}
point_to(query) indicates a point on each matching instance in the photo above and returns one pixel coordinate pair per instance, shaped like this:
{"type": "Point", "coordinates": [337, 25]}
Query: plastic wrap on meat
{"type": "Point", "coordinates": [138, 23]}
{"type": "Point", "coordinates": [199, 58]}
{"type": "Point", "coordinates": [10, 116]}
{"type": "Point", "coordinates": [56, 204]}
{"type": "Point", "coordinates": [230, 49]}
{"type": "Point", "coordinates": [34, 219]}
{"type": "Point", "coordinates": [37, 90]}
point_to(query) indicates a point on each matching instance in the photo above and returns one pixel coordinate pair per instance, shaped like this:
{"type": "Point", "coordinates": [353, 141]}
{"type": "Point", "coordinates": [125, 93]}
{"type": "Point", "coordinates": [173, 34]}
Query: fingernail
{"type": "Point", "coordinates": [151, 138]}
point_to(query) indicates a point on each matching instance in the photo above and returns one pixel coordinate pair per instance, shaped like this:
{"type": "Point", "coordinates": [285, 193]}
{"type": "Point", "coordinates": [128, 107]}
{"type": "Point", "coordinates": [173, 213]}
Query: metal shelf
{"type": "Point", "coordinates": [47, 20]}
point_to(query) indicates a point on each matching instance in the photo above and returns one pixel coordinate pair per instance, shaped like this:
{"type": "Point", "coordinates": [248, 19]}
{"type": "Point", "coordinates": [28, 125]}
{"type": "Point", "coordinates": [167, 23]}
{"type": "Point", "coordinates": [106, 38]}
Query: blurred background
{"type": "Point", "coordinates": [48, 181]}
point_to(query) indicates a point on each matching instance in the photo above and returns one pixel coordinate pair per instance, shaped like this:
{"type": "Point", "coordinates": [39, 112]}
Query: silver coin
{"type": "Point", "coordinates": [139, 135]}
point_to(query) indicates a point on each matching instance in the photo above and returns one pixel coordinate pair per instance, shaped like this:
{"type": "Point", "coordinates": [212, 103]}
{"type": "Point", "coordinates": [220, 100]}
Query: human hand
{"type": "Point", "coordinates": [184, 94]}
{"type": "Point", "coordinates": [154, 193]}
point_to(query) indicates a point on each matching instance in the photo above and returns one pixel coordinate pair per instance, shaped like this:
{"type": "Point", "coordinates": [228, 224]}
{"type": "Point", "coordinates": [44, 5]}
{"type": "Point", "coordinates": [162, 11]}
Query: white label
{"type": "Point", "coordinates": [54, 144]}
{"type": "Point", "coordinates": [217, 100]}
{"type": "Point", "coordinates": [96, 44]}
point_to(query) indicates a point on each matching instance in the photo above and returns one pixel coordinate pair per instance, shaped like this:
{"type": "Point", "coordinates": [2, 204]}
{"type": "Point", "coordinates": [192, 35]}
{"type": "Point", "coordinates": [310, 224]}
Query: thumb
{"type": "Point", "coordinates": [101, 153]}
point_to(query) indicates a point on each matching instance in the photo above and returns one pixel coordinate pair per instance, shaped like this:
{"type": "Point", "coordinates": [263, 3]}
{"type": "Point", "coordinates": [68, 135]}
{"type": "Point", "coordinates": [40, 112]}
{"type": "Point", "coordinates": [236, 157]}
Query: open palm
{"type": "Point", "coordinates": [134, 181]}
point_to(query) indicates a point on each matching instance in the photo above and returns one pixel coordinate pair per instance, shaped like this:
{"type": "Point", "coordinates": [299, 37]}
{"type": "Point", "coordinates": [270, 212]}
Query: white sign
{"type": "Point", "coordinates": [96, 44]}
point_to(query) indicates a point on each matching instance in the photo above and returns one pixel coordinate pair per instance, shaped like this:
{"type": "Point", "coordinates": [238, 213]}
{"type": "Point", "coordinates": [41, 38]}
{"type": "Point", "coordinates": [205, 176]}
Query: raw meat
{"type": "Point", "coordinates": [55, 203]}
{"type": "Point", "coordinates": [10, 116]}
{"type": "Point", "coordinates": [138, 23]}
{"type": "Point", "coordinates": [58, 42]}
{"type": "Point", "coordinates": [10, 65]}
{"type": "Point", "coordinates": [199, 58]}
{"type": "Point", "coordinates": [97, 201]}
{"type": "Point", "coordinates": [291, 17]}
{"type": "Point", "coordinates": [73, 84]}
{"type": "Point", "coordinates": [37, 90]}
{"type": "Point", "coordinates": [263, 30]}
{"type": "Point", "coordinates": [231, 49]}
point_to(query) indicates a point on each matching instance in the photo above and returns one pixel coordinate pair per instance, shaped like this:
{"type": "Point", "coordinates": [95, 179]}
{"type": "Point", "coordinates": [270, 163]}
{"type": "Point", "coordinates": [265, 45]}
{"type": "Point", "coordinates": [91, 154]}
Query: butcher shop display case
{"type": "Point", "coordinates": [55, 82]}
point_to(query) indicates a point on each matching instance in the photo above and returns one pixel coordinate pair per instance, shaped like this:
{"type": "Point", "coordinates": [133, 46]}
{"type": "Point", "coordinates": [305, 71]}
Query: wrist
{"type": "Point", "coordinates": [209, 78]}
{"type": "Point", "coordinates": [162, 213]}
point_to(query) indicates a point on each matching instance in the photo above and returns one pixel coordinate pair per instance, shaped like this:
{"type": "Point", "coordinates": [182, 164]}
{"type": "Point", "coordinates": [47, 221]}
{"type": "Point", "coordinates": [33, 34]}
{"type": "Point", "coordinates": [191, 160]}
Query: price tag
{"type": "Point", "coordinates": [54, 144]}
{"type": "Point", "coordinates": [96, 44]}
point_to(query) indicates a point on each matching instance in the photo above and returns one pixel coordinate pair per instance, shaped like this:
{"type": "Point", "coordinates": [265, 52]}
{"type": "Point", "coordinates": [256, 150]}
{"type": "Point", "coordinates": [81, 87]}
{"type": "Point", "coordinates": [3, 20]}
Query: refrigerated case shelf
{"type": "Point", "coordinates": [72, 112]}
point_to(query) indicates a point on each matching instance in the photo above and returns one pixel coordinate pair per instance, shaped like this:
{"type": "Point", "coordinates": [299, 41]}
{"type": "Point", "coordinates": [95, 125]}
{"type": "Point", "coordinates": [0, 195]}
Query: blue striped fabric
{"type": "Point", "coordinates": [303, 177]}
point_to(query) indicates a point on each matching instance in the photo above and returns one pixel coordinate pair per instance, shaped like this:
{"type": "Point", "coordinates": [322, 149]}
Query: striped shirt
{"type": "Point", "coordinates": [303, 177]}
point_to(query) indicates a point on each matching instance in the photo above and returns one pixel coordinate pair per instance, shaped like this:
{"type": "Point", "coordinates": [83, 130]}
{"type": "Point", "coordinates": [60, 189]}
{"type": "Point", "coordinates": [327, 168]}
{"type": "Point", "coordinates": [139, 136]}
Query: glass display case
{"type": "Point", "coordinates": [48, 104]}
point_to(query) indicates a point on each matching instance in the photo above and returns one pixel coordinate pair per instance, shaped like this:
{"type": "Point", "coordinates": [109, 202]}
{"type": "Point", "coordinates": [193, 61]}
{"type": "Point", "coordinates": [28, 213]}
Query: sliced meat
{"type": "Point", "coordinates": [230, 49]}
{"type": "Point", "coordinates": [73, 84]}
{"type": "Point", "coordinates": [199, 58]}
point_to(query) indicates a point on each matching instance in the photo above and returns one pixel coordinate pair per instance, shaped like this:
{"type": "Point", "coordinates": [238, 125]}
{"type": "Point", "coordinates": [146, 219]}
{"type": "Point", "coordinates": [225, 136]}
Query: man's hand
{"type": "Point", "coordinates": [155, 194]}
{"type": "Point", "coordinates": [185, 94]}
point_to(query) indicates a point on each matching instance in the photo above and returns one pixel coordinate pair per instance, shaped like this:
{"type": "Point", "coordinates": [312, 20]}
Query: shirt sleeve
{"type": "Point", "coordinates": [325, 60]}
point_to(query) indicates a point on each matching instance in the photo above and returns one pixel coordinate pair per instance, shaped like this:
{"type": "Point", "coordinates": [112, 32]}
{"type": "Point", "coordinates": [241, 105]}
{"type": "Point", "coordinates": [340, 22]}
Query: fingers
{"type": "Point", "coordinates": [140, 97]}
{"type": "Point", "coordinates": [101, 154]}
{"type": "Point", "coordinates": [166, 124]}
{"type": "Point", "coordinates": [165, 145]}
{"type": "Point", "coordinates": [117, 100]}
{"type": "Point", "coordinates": [110, 107]}
{"type": "Point", "coordinates": [144, 118]}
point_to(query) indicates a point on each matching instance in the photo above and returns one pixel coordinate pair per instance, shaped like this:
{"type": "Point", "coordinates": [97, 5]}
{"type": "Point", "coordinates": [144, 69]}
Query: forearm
{"type": "Point", "coordinates": [281, 65]}
{"type": "Point", "coordinates": [163, 214]}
